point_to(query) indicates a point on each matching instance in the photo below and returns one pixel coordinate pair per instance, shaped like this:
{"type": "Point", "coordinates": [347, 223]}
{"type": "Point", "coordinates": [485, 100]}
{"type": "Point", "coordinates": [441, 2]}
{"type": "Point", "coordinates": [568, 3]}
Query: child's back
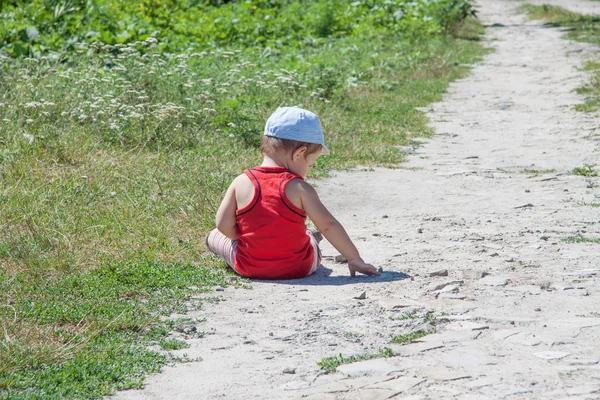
{"type": "Point", "coordinates": [273, 242]}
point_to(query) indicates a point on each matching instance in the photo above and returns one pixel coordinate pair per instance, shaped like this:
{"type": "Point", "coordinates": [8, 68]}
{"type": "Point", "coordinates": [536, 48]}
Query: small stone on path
{"type": "Point", "coordinates": [440, 285]}
{"type": "Point", "coordinates": [289, 371]}
{"type": "Point", "coordinates": [441, 272]}
{"type": "Point", "coordinates": [361, 296]}
{"type": "Point", "coordinates": [339, 259]}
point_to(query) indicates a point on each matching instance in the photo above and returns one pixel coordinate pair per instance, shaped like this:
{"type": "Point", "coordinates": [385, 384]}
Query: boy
{"type": "Point", "coordinates": [261, 231]}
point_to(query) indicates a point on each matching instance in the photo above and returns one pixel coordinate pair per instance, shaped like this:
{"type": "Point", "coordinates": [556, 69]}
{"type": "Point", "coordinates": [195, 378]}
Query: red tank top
{"type": "Point", "coordinates": [273, 243]}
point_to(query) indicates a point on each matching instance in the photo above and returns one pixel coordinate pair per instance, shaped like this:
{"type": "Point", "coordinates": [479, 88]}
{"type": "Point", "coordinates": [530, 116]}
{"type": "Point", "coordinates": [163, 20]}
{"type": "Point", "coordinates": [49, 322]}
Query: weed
{"type": "Point", "coordinates": [331, 363]}
{"type": "Point", "coordinates": [580, 239]}
{"type": "Point", "coordinates": [583, 203]}
{"type": "Point", "coordinates": [586, 170]}
{"type": "Point", "coordinates": [410, 337]}
{"type": "Point", "coordinates": [172, 344]}
{"type": "Point", "coordinates": [352, 336]}
{"type": "Point", "coordinates": [538, 171]}
{"type": "Point", "coordinates": [592, 314]}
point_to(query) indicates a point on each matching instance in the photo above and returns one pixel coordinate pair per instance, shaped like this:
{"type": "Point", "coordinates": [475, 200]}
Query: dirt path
{"type": "Point", "coordinates": [463, 203]}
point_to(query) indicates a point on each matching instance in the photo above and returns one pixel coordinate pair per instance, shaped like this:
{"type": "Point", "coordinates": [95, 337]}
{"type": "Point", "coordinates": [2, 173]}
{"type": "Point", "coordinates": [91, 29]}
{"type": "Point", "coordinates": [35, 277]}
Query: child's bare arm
{"type": "Point", "coordinates": [332, 230]}
{"type": "Point", "coordinates": [226, 221]}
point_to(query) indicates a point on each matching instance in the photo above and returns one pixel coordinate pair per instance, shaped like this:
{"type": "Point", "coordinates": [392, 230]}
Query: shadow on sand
{"type": "Point", "coordinates": [323, 278]}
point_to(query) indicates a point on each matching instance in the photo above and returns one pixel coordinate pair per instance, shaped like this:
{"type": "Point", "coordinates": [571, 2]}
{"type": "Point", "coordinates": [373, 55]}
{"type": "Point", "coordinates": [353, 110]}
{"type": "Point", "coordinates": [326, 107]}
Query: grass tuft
{"type": "Point", "coordinates": [331, 363]}
{"type": "Point", "coordinates": [587, 170]}
{"type": "Point", "coordinates": [580, 239]}
{"type": "Point", "coordinates": [410, 337]}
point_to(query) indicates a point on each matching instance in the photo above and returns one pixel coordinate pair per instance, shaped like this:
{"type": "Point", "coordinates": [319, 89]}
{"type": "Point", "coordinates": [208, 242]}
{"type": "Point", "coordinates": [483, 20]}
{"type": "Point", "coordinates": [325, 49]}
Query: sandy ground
{"type": "Point", "coordinates": [463, 203]}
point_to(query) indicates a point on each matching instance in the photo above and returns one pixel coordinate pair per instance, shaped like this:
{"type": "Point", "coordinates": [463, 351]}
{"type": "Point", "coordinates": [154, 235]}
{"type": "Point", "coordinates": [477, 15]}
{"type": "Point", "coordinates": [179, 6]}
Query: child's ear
{"type": "Point", "coordinates": [299, 152]}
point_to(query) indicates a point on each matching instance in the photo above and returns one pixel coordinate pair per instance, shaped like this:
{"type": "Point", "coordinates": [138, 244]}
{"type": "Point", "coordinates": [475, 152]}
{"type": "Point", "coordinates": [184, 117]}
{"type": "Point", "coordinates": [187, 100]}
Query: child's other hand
{"type": "Point", "coordinates": [358, 265]}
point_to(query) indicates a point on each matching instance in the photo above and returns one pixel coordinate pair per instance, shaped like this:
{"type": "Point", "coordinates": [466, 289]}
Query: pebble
{"type": "Point", "coordinates": [219, 289]}
{"type": "Point", "coordinates": [361, 296]}
{"type": "Point", "coordinates": [440, 285]}
{"type": "Point", "coordinates": [441, 272]}
{"type": "Point", "coordinates": [340, 259]}
{"type": "Point", "coordinates": [289, 371]}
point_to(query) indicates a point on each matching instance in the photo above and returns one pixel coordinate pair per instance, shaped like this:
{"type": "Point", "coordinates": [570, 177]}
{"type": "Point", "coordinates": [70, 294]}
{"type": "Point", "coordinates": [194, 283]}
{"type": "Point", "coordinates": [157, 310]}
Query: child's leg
{"type": "Point", "coordinates": [315, 239]}
{"type": "Point", "coordinates": [222, 246]}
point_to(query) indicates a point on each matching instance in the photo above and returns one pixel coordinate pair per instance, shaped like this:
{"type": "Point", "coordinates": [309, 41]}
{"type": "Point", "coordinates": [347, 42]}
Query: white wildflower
{"type": "Point", "coordinates": [28, 137]}
{"type": "Point", "coordinates": [29, 120]}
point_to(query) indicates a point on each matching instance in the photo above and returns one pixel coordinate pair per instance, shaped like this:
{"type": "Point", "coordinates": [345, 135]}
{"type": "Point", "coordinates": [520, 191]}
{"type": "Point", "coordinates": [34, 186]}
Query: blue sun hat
{"type": "Point", "coordinates": [295, 123]}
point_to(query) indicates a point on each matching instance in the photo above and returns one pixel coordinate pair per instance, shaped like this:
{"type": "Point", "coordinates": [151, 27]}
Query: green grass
{"type": "Point", "coordinates": [410, 337]}
{"type": "Point", "coordinates": [590, 204]}
{"type": "Point", "coordinates": [538, 171]}
{"type": "Point", "coordinates": [584, 28]}
{"type": "Point", "coordinates": [586, 170]}
{"type": "Point", "coordinates": [82, 334]}
{"type": "Point", "coordinates": [114, 158]}
{"type": "Point", "coordinates": [428, 317]}
{"type": "Point", "coordinates": [580, 239]}
{"type": "Point", "coordinates": [331, 363]}
{"type": "Point", "coordinates": [172, 344]}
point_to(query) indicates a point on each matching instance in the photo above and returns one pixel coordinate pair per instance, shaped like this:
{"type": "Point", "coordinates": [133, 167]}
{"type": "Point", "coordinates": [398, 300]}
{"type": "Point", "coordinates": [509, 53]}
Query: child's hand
{"type": "Point", "coordinates": [358, 265]}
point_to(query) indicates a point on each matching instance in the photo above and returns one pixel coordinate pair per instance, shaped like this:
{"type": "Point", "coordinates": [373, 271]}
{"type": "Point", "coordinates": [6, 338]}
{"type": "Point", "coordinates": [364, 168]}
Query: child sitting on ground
{"type": "Point", "coordinates": [261, 231]}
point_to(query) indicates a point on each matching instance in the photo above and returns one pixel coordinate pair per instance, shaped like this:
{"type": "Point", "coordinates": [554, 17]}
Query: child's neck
{"type": "Point", "coordinates": [275, 161]}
